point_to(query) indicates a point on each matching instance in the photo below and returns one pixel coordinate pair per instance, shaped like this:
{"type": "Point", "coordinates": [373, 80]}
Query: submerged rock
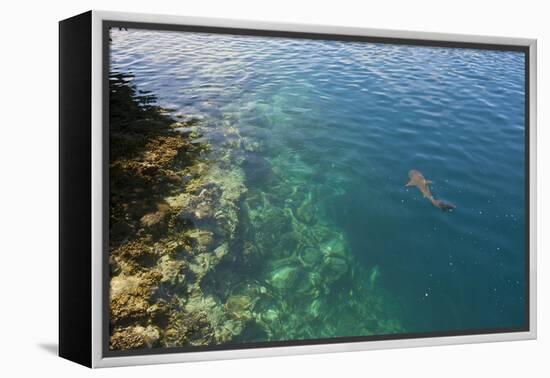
{"type": "Point", "coordinates": [130, 295]}
{"type": "Point", "coordinates": [171, 270]}
{"type": "Point", "coordinates": [221, 251]}
{"type": "Point", "coordinates": [310, 256]}
{"type": "Point", "coordinates": [316, 308]}
{"type": "Point", "coordinates": [335, 258]}
{"type": "Point", "coordinates": [221, 327]}
{"type": "Point", "coordinates": [334, 268]}
{"type": "Point", "coordinates": [239, 306]}
{"type": "Point", "coordinates": [271, 223]}
{"type": "Point", "coordinates": [287, 244]}
{"type": "Point", "coordinates": [202, 239]}
{"type": "Point", "coordinates": [306, 213]}
{"type": "Point", "coordinates": [173, 177]}
{"type": "Point", "coordinates": [120, 229]}
{"type": "Point", "coordinates": [229, 329]}
{"type": "Point", "coordinates": [195, 210]}
{"type": "Point", "coordinates": [308, 286]}
{"type": "Point", "coordinates": [268, 316]}
{"type": "Point", "coordinates": [135, 337]}
{"type": "Point", "coordinates": [284, 275]}
{"type": "Point", "coordinates": [201, 265]}
{"type": "Point", "coordinates": [206, 261]}
{"type": "Point", "coordinates": [154, 221]}
{"type": "Point", "coordinates": [335, 246]}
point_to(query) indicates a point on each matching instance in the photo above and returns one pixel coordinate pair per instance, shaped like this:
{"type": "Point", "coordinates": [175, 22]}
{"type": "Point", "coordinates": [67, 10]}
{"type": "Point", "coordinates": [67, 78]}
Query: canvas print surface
{"type": "Point", "coordinates": [267, 190]}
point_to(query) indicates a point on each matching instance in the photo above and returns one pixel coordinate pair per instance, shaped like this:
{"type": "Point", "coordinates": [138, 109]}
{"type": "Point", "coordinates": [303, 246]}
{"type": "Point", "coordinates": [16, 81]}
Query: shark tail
{"type": "Point", "coordinates": [443, 205]}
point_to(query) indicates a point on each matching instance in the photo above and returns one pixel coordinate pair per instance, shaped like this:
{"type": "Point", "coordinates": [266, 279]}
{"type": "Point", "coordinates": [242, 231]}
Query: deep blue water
{"type": "Point", "coordinates": [343, 123]}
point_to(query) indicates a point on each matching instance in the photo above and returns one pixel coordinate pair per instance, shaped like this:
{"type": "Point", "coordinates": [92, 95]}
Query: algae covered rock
{"type": "Point", "coordinates": [335, 247]}
{"type": "Point", "coordinates": [317, 308]}
{"type": "Point", "coordinates": [205, 262]}
{"type": "Point", "coordinates": [285, 274]}
{"type": "Point", "coordinates": [335, 259]}
{"type": "Point", "coordinates": [287, 244]}
{"type": "Point", "coordinates": [309, 285]}
{"type": "Point", "coordinates": [135, 337]}
{"type": "Point", "coordinates": [130, 295]}
{"type": "Point", "coordinates": [334, 267]}
{"type": "Point", "coordinates": [134, 252]}
{"type": "Point", "coordinates": [310, 256]}
{"type": "Point", "coordinates": [154, 222]}
{"type": "Point", "coordinates": [239, 306]}
{"type": "Point", "coordinates": [201, 265]}
{"type": "Point", "coordinates": [305, 213]}
{"type": "Point", "coordinates": [201, 239]}
{"type": "Point", "coordinates": [221, 251]}
{"type": "Point", "coordinates": [152, 219]}
{"type": "Point", "coordinates": [171, 270]}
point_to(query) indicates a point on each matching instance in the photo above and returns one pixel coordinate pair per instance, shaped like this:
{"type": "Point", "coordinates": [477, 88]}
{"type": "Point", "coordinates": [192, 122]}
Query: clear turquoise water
{"type": "Point", "coordinates": [337, 126]}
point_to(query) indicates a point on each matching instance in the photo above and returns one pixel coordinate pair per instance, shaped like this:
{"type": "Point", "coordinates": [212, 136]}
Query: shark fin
{"type": "Point", "coordinates": [410, 183]}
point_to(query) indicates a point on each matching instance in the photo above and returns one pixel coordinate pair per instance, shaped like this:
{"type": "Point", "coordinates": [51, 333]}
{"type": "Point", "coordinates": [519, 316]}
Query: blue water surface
{"type": "Point", "coordinates": [346, 121]}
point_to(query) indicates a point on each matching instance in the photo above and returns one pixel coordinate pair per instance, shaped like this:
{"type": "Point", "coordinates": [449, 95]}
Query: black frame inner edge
{"type": "Point", "coordinates": [107, 24]}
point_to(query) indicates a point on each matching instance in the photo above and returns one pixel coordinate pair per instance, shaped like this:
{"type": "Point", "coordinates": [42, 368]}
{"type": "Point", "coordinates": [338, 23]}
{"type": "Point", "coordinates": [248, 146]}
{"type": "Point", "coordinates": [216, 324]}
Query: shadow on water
{"type": "Point", "coordinates": [132, 113]}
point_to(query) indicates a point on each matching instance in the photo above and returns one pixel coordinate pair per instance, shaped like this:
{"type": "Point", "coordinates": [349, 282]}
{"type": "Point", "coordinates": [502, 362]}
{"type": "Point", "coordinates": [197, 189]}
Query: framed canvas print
{"type": "Point", "coordinates": [237, 189]}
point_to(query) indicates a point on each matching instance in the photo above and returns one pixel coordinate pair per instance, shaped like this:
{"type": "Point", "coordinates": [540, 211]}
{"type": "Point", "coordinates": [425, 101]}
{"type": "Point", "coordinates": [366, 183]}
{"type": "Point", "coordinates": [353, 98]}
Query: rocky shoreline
{"type": "Point", "coordinates": [172, 215]}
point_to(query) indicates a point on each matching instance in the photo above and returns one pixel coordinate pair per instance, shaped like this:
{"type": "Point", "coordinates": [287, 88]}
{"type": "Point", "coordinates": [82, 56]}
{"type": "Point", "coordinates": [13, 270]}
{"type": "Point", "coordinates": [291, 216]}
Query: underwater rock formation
{"type": "Point", "coordinates": [199, 258]}
{"type": "Point", "coordinates": [135, 337]}
{"type": "Point", "coordinates": [172, 215]}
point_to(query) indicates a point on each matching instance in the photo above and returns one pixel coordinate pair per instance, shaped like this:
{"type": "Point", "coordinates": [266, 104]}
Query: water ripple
{"type": "Point", "coordinates": [359, 116]}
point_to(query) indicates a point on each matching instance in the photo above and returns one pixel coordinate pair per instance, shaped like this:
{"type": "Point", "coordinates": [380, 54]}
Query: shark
{"type": "Point", "coordinates": [418, 180]}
